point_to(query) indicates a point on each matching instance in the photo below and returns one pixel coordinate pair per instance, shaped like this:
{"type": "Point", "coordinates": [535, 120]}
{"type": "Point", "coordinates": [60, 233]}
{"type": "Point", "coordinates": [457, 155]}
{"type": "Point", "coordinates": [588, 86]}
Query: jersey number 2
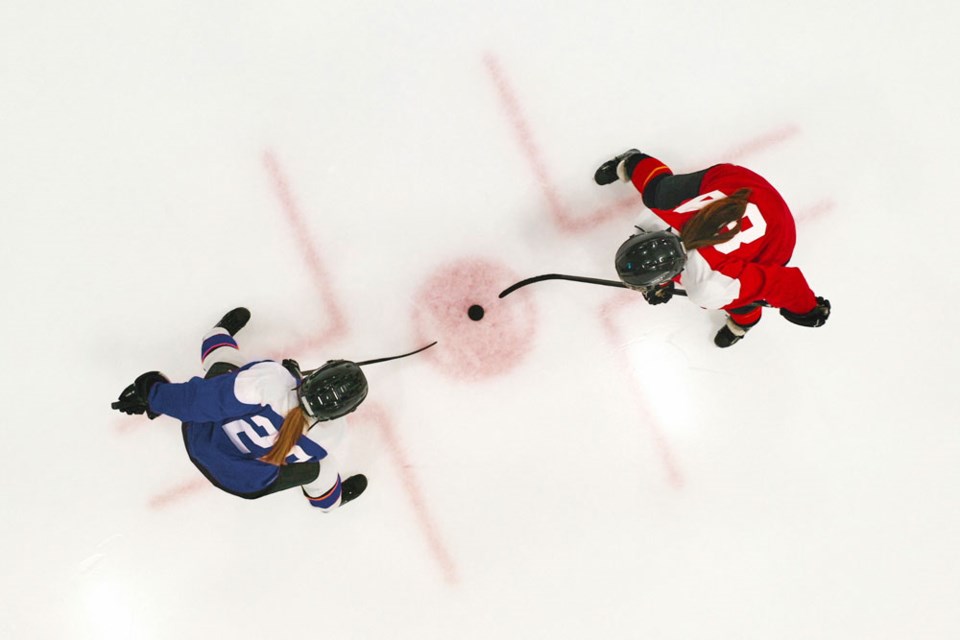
{"type": "Point", "coordinates": [264, 441]}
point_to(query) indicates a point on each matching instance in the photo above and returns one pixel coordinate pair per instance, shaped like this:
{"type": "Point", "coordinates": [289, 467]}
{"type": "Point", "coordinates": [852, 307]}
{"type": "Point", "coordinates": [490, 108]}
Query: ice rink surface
{"type": "Point", "coordinates": [577, 464]}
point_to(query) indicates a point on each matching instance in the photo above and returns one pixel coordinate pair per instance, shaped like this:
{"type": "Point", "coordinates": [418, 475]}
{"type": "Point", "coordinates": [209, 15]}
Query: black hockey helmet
{"type": "Point", "coordinates": [337, 388]}
{"type": "Point", "coordinates": [333, 390]}
{"type": "Point", "coordinates": [650, 258]}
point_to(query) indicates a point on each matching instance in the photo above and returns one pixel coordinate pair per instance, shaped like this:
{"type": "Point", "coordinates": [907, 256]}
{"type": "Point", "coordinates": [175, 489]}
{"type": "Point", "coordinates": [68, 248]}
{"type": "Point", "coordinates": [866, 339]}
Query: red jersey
{"type": "Point", "coordinates": [751, 266]}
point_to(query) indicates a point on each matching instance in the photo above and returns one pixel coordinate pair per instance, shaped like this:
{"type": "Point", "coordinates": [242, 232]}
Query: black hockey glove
{"type": "Point", "coordinates": [610, 170]}
{"type": "Point", "coordinates": [293, 367]}
{"type": "Point", "coordinates": [659, 294]}
{"type": "Point", "coordinates": [133, 400]}
{"type": "Point", "coordinates": [814, 318]}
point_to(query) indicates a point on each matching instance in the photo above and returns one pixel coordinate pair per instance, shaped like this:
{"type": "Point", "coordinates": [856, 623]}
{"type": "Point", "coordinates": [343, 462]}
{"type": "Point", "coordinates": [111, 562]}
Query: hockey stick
{"type": "Point", "coordinates": [360, 364]}
{"type": "Point", "coordinates": [605, 283]}
{"type": "Point", "coordinates": [560, 276]}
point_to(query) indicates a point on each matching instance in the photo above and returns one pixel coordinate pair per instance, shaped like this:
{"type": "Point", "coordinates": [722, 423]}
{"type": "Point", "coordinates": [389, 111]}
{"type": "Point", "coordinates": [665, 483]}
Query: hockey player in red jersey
{"type": "Point", "coordinates": [729, 240]}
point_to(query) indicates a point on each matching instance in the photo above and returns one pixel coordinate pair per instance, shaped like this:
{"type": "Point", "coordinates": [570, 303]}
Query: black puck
{"type": "Point", "coordinates": [475, 312]}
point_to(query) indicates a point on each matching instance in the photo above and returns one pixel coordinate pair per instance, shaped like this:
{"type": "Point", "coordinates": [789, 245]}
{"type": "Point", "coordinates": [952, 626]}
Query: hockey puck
{"type": "Point", "coordinates": [473, 350]}
{"type": "Point", "coordinates": [475, 312]}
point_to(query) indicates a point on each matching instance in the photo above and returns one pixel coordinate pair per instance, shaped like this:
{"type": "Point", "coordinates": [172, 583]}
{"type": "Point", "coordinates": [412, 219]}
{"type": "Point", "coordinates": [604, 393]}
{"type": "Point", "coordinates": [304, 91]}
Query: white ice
{"type": "Point", "coordinates": [624, 478]}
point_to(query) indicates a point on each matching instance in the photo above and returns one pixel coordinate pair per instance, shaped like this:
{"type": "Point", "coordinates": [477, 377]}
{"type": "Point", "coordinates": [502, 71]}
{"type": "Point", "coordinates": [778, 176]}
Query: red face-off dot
{"type": "Point", "coordinates": [479, 335]}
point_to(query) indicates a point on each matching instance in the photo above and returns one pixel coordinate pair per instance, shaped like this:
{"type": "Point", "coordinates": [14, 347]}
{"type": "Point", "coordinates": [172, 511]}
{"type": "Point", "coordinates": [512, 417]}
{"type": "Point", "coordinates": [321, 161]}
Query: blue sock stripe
{"type": "Point", "coordinates": [328, 499]}
{"type": "Point", "coordinates": [215, 342]}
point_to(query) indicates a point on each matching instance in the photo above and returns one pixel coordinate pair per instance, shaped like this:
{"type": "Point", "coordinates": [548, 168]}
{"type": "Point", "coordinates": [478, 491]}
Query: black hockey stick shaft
{"type": "Point", "coordinates": [605, 283]}
{"type": "Point", "coordinates": [560, 276]}
{"type": "Point", "coordinates": [360, 364]}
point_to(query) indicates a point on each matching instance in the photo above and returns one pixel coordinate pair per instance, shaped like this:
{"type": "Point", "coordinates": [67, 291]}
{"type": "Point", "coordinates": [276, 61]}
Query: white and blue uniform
{"type": "Point", "coordinates": [232, 420]}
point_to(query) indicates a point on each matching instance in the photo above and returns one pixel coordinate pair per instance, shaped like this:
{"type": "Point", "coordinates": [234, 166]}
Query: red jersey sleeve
{"type": "Point", "coordinates": [731, 283]}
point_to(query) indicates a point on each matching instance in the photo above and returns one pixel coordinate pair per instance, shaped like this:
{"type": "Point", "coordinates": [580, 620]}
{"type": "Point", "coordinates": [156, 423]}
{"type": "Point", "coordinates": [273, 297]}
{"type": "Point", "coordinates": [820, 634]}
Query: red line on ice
{"type": "Point", "coordinates": [815, 210]}
{"type": "Point", "coordinates": [560, 213]}
{"type": "Point", "coordinates": [319, 275]}
{"type": "Point", "coordinates": [375, 414]}
{"type": "Point", "coordinates": [760, 143]}
{"type": "Point", "coordinates": [178, 492]}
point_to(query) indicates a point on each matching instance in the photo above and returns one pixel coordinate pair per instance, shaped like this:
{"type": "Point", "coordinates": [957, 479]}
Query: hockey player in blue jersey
{"type": "Point", "coordinates": [245, 423]}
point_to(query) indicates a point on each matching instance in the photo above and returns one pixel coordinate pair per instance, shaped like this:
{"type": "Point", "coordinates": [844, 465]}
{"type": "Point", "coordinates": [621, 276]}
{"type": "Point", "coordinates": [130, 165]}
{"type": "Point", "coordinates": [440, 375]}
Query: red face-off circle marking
{"type": "Point", "coordinates": [474, 349]}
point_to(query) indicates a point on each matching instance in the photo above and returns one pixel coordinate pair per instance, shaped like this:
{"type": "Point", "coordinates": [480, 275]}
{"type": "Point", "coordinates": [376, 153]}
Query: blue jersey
{"type": "Point", "coordinates": [232, 420]}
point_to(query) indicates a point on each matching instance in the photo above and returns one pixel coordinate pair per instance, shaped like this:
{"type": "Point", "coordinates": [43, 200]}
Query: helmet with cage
{"type": "Point", "coordinates": [332, 391]}
{"type": "Point", "coordinates": [649, 259]}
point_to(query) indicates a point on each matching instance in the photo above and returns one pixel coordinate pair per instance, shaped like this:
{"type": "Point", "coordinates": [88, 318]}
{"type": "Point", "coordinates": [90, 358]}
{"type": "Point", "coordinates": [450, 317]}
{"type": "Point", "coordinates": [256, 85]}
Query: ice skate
{"type": "Point", "coordinates": [234, 320]}
{"type": "Point", "coordinates": [730, 334]}
{"type": "Point", "coordinates": [352, 487]}
{"type": "Point", "coordinates": [607, 172]}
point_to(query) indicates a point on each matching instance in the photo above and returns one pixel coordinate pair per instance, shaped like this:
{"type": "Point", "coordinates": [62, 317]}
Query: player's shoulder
{"type": "Point", "coordinates": [730, 177]}
{"type": "Point", "coordinates": [266, 368]}
{"type": "Point", "coordinates": [259, 382]}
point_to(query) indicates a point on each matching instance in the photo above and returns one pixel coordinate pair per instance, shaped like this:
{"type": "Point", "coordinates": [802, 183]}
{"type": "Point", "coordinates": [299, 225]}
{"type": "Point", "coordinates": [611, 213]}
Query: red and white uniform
{"type": "Point", "coordinates": [749, 267]}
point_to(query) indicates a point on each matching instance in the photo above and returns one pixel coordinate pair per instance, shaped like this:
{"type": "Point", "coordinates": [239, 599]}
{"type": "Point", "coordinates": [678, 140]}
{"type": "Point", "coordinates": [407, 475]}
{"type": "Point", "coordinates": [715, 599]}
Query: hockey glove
{"type": "Point", "coordinates": [133, 400]}
{"type": "Point", "coordinates": [614, 168]}
{"type": "Point", "coordinates": [293, 367]}
{"type": "Point", "coordinates": [814, 318]}
{"type": "Point", "coordinates": [659, 294]}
